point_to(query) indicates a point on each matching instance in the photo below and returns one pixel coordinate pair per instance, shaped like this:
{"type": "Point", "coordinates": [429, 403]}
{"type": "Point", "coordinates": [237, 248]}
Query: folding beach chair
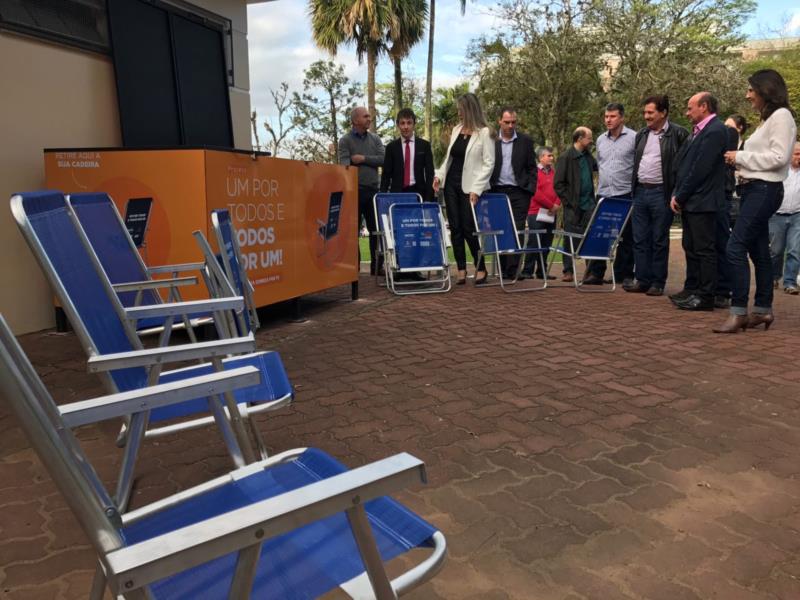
{"type": "Point", "coordinates": [293, 526]}
{"type": "Point", "coordinates": [381, 202]}
{"type": "Point", "coordinates": [105, 329]}
{"type": "Point", "coordinates": [498, 237]}
{"type": "Point", "coordinates": [416, 241]}
{"type": "Point", "coordinates": [232, 263]}
{"type": "Point", "coordinates": [599, 240]}
{"type": "Point", "coordinates": [132, 279]}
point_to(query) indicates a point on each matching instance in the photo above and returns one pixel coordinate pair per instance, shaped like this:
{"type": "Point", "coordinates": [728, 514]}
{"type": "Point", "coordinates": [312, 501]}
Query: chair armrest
{"type": "Point", "coordinates": [490, 232]}
{"type": "Point", "coordinates": [168, 354]}
{"type": "Point", "coordinates": [196, 266]}
{"type": "Point", "coordinates": [135, 566]}
{"type": "Point", "coordinates": [151, 284]}
{"type": "Point", "coordinates": [184, 308]}
{"type": "Point", "coordinates": [164, 394]}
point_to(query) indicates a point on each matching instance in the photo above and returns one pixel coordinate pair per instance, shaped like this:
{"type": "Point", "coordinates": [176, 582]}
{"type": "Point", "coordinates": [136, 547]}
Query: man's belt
{"type": "Point", "coordinates": [651, 186]}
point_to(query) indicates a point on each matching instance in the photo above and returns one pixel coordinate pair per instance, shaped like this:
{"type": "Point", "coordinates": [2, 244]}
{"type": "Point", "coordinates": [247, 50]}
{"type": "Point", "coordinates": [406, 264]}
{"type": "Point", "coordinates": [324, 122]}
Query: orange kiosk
{"type": "Point", "coordinates": [296, 220]}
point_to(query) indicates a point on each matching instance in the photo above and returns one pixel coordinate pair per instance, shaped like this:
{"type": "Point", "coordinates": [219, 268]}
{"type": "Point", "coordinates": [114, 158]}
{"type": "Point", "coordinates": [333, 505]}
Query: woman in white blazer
{"type": "Point", "coordinates": [465, 174]}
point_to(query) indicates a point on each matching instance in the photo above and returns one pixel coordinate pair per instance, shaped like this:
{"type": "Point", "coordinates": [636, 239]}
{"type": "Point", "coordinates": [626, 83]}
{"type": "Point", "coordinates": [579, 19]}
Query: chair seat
{"type": "Point", "coordinates": [304, 563]}
{"type": "Point", "coordinates": [274, 385]}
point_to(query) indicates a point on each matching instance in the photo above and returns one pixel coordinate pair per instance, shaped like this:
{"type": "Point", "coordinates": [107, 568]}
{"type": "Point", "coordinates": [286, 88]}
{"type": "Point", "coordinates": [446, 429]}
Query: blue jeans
{"type": "Point", "coordinates": [784, 237]}
{"type": "Point", "coordinates": [652, 218]}
{"type": "Point", "coordinates": [760, 199]}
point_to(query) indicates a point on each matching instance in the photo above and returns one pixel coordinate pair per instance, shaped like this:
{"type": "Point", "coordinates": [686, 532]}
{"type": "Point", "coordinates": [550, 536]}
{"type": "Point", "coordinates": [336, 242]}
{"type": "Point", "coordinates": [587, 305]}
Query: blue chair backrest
{"type": "Point", "coordinates": [384, 200]}
{"type": "Point", "coordinates": [493, 213]}
{"type": "Point", "coordinates": [603, 231]}
{"type": "Point", "coordinates": [418, 235]}
{"type": "Point", "coordinates": [112, 244]}
{"type": "Point", "coordinates": [74, 276]}
{"type": "Point", "coordinates": [334, 211]}
{"type": "Point", "coordinates": [224, 236]}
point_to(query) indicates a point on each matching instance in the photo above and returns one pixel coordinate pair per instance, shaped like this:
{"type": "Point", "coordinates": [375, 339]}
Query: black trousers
{"type": "Point", "coordinates": [462, 226]}
{"type": "Point", "coordinates": [699, 244]}
{"type": "Point", "coordinates": [623, 261]}
{"type": "Point", "coordinates": [520, 201]}
{"type": "Point", "coordinates": [366, 210]}
{"type": "Point", "coordinates": [576, 223]}
{"type": "Point", "coordinates": [532, 261]}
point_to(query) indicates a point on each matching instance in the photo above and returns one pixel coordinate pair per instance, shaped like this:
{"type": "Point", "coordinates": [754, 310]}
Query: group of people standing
{"type": "Point", "coordinates": [730, 194]}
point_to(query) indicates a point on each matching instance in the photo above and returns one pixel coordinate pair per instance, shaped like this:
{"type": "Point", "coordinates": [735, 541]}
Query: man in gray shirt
{"type": "Point", "coordinates": [615, 150]}
{"type": "Point", "coordinates": [364, 150]}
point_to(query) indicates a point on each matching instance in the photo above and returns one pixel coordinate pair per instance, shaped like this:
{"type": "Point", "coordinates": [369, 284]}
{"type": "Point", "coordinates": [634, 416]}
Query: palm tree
{"type": "Point", "coordinates": [406, 28]}
{"type": "Point", "coordinates": [363, 23]}
{"type": "Point", "coordinates": [429, 80]}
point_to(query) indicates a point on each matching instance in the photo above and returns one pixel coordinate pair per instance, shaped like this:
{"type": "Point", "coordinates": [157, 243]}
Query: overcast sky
{"type": "Point", "coordinates": [281, 46]}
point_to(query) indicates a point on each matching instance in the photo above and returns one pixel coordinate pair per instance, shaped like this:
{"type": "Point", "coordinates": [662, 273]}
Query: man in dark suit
{"type": "Point", "coordinates": [699, 194]}
{"type": "Point", "coordinates": [514, 174]}
{"type": "Point", "coordinates": [408, 164]}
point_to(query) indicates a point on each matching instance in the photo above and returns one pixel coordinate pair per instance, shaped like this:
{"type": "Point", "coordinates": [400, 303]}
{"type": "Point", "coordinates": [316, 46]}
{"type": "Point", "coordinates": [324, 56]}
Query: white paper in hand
{"type": "Point", "coordinates": [545, 216]}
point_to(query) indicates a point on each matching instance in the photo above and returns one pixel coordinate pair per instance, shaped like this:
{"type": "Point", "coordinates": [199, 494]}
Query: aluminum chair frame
{"type": "Point", "coordinates": [247, 290]}
{"type": "Point", "coordinates": [129, 569]}
{"type": "Point", "coordinates": [575, 252]}
{"type": "Point", "coordinates": [519, 250]}
{"type": "Point", "coordinates": [438, 285]}
{"type": "Point", "coordinates": [172, 283]}
{"type": "Point", "coordinates": [380, 212]}
{"type": "Point", "coordinates": [227, 413]}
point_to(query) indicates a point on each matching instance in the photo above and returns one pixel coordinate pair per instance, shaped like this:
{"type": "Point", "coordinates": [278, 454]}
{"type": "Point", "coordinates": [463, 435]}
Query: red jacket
{"type": "Point", "coordinates": [545, 196]}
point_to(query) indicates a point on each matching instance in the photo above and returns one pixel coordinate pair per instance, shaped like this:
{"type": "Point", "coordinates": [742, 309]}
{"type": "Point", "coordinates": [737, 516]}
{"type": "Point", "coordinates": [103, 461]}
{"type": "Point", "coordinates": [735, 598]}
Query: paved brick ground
{"type": "Point", "coordinates": [577, 446]}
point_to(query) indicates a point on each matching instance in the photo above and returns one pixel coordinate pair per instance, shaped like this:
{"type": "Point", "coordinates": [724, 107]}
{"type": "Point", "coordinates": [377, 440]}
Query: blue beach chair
{"type": "Point", "coordinates": [231, 258]}
{"type": "Point", "coordinates": [131, 278]}
{"type": "Point", "coordinates": [381, 202]}
{"type": "Point", "coordinates": [598, 242]}
{"type": "Point", "coordinates": [498, 237]}
{"type": "Point", "coordinates": [293, 526]}
{"type": "Point", "coordinates": [415, 238]}
{"type": "Point", "coordinates": [107, 333]}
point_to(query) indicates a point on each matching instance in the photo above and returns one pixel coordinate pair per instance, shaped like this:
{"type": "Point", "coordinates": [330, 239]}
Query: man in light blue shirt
{"type": "Point", "coordinates": [615, 152]}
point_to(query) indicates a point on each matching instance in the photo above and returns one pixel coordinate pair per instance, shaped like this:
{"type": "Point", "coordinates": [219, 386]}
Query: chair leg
{"type": "Point", "coordinates": [98, 588]}
{"type": "Point", "coordinates": [261, 447]}
{"type": "Point", "coordinates": [136, 431]}
{"type": "Point", "coordinates": [367, 547]}
{"type": "Point", "coordinates": [245, 572]}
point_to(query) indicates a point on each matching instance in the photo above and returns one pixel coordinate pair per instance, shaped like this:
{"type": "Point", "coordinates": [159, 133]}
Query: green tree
{"type": "Point", "coordinates": [322, 110]}
{"type": "Point", "coordinates": [547, 66]}
{"type": "Point", "coordinates": [429, 73]}
{"type": "Point", "coordinates": [787, 63]}
{"type": "Point", "coordinates": [674, 47]}
{"type": "Point", "coordinates": [406, 28]}
{"type": "Point", "coordinates": [386, 101]}
{"type": "Point", "coordinates": [444, 116]}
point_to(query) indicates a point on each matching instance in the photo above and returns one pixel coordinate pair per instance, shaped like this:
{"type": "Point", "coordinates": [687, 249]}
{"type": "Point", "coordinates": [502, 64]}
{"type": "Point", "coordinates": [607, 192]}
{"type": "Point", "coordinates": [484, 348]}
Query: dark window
{"type": "Point", "coordinates": [80, 23]}
{"type": "Point", "coordinates": [171, 76]}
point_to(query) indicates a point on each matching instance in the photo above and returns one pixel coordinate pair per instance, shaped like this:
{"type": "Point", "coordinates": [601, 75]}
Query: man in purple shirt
{"type": "Point", "coordinates": [657, 145]}
{"type": "Point", "coordinates": [699, 194]}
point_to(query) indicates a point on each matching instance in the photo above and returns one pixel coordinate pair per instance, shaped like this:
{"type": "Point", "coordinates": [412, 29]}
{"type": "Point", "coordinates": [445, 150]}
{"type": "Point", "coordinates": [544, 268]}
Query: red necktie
{"type": "Point", "coordinates": [407, 165]}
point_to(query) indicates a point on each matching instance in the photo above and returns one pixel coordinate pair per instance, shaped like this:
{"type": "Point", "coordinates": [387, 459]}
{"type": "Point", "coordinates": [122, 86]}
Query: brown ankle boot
{"type": "Point", "coordinates": [756, 319]}
{"type": "Point", "coordinates": [732, 325]}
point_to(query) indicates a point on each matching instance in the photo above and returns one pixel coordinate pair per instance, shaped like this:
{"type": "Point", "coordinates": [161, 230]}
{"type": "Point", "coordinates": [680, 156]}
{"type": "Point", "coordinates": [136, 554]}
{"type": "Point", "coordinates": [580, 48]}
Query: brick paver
{"type": "Point", "coordinates": [577, 445]}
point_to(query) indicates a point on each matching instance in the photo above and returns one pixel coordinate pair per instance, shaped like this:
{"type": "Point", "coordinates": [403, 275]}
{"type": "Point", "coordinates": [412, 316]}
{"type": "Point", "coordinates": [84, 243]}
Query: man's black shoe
{"type": "Point", "coordinates": [628, 282]}
{"type": "Point", "coordinates": [682, 295]}
{"type": "Point", "coordinates": [592, 280]}
{"type": "Point", "coordinates": [695, 302]}
{"type": "Point", "coordinates": [722, 302]}
{"type": "Point", "coordinates": [637, 288]}
{"type": "Point", "coordinates": [655, 291]}
{"type": "Point", "coordinates": [549, 277]}
{"type": "Point", "coordinates": [524, 275]}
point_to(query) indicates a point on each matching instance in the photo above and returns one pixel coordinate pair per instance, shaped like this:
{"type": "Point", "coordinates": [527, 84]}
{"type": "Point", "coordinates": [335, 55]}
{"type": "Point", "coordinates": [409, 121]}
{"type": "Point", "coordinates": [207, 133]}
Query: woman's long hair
{"type": "Point", "coordinates": [771, 88]}
{"type": "Point", "coordinates": [471, 112]}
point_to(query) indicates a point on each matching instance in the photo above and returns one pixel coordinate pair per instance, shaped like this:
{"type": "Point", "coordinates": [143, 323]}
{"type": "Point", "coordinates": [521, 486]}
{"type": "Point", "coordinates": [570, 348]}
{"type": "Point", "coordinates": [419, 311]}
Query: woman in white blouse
{"type": "Point", "coordinates": [762, 165]}
{"type": "Point", "coordinates": [465, 174]}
